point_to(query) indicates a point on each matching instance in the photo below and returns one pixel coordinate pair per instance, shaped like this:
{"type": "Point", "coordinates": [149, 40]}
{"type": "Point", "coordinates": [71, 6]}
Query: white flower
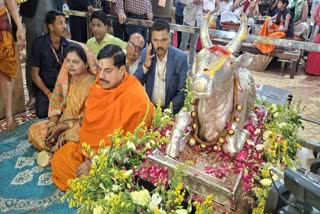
{"type": "Point", "coordinates": [266, 182]}
{"type": "Point", "coordinates": [115, 188]}
{"type": "Point", "coordinates": [128, 173]}
{"type": "Point", "coordinates": [276, 114]}
{"type": "Point", "coordinates": [152, 142]}
{"type": "Point", "coordinates": [181, 211]}
{"type": "Point", "coordinates": [282, 125]}
{"type": "Point", "coordinates": [257, 132]}
{"type": "Point", "coordinates": [273, 108]}
{"type": "Point", "coordinates": [266, 135]}
{"type": "Point", "coordinates": [97, 210]}
{"type": "Point", "coordinates": [141, 197]}
{"type": "Point", "coordinates": [259, 147]}
{"type": "Point", "coordinates": [155, 201]}
{"type": "Point", "coordinates": [109, 196]}
{"type": "Point", "coordinates": [131, 146]}
{"type": "Point", "coordinates": [148, 146]}
{"type": "Point", "coordinates": [250, 142]}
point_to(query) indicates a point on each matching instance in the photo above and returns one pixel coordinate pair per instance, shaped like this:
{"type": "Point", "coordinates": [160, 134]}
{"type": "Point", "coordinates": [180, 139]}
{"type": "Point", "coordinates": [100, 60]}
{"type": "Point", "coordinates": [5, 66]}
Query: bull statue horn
{"type": "Point", "coordinates": [241, 35]}
{"type": "Point", "coordinates": [204, 32]}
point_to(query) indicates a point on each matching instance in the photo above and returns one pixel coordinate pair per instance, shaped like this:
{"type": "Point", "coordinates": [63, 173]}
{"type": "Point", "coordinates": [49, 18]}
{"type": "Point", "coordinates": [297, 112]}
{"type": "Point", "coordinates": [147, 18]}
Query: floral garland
{"type": "Point", "coordinates": [112, 185]}
{"type": "Point", "coordinates": [280, 147]}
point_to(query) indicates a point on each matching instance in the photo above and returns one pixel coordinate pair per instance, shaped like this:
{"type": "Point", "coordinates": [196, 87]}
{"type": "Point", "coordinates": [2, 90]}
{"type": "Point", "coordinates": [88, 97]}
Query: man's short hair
{"type": "Point", "coordinates": [159, 25]}
{"type": "Point", "coordinates": [115, 52]}
{"type": "Point", "coordinates": [286, 2]}
{"type": "Point", "coordinates": [102, 17]}
{"type": "Point", "coordinates": [51, 16]}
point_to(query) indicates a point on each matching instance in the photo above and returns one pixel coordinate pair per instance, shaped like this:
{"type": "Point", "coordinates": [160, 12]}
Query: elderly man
{"type": "Point", "coordinates": [8, 55]}
{"type": "Point", "coordinates": [116, 101]}
{"type": "Point", "coordinates": [163, 68]}
{"type": "Point", "coordinates": [134, 48]}
{"type": "Point", "coordinates": [100, 24]}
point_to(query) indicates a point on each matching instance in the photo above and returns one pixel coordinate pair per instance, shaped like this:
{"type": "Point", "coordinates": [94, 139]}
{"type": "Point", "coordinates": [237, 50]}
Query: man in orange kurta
{"type": "Point", "coordinates": [117, 100]}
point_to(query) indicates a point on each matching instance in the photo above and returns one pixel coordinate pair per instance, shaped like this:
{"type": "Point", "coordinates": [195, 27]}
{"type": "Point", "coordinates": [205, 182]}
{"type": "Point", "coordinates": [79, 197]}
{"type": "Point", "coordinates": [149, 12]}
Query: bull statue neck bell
{"type": "Point", "coordinates": [224, 95]}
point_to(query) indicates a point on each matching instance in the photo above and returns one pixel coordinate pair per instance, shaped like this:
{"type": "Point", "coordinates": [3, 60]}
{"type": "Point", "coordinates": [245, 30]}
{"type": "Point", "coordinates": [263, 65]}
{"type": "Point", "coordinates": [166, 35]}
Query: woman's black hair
{"type": "Point", "coordinates": [78, 50]}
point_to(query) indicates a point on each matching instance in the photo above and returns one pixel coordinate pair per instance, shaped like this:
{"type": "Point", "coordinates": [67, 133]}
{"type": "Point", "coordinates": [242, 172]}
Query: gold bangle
{"type": "Point", "coordinates": [70, 124]}
{"type": "Point", "coordinates": [51, 124]}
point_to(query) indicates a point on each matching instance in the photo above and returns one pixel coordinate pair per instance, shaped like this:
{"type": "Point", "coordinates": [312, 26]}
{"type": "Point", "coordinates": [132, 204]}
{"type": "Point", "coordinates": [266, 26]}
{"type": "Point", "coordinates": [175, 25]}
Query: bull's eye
{"type": "Point", "coordinates": [231, 63]}
{"type": "Point", "coordinates": [206, 70]}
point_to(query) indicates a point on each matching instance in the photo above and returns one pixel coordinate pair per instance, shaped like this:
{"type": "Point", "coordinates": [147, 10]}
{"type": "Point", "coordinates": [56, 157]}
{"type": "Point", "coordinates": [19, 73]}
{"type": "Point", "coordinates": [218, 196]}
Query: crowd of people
{"type": "Point", "coordinates": [86, 88]}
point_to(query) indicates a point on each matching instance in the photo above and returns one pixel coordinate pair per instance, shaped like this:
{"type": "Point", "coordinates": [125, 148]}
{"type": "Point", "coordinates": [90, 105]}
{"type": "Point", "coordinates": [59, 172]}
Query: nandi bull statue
{"type": "Point", "coordinates": [224, 94]}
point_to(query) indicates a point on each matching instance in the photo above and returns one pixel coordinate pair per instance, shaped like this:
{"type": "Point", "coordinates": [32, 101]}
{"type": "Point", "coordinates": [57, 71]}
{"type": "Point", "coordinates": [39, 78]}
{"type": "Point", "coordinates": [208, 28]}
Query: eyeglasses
{"type": "Point", "coordinates": [137, 48]}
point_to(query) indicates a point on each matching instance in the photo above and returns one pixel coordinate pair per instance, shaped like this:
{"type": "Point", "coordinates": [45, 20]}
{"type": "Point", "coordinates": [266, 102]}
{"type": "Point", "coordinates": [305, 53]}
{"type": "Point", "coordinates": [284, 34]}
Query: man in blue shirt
{"type": "Point", "coordinates": [47, 57]}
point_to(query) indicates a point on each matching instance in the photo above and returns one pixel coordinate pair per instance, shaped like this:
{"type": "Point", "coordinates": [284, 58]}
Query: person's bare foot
{"type": "Point", "coordinates": [11, 124]}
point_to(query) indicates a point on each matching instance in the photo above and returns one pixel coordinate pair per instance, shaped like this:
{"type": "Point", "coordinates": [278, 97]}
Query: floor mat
{"type": "Point", "coordinates": [26, 187]}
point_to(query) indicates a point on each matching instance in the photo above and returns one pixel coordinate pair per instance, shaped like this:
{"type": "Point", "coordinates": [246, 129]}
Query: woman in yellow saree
{"type": "Point", "coordinates": [66, 107]}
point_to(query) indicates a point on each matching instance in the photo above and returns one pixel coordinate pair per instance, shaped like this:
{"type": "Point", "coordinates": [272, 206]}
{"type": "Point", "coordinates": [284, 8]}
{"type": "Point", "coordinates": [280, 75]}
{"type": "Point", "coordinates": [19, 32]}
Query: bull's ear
{"type": "Point", "coordinates": [244, 60]}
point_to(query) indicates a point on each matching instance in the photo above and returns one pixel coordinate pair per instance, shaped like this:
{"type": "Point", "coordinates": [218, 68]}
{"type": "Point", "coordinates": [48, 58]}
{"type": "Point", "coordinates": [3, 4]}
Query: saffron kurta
{"type": "Point", "coordinates": [124, 107]}
{"type": "Point", "coordinates": [8, 58]}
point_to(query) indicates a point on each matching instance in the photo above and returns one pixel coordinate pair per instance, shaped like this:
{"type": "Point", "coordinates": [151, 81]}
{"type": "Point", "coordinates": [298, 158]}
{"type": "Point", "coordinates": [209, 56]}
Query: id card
{"type": "Point", "coordinates": [162, 3]}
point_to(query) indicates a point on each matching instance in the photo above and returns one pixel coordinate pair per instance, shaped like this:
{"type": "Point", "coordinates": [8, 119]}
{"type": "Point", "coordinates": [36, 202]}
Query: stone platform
{"type": "Point", "coordinates": [226, 190]}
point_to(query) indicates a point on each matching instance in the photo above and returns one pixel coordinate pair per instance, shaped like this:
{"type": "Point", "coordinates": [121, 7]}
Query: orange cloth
{"type": "Point", "coordinates": [266, 48]}
{"type": "Point", "coordinates": [8, 53]}
{"type": "Point", "coordinates": [124, 107]}
{"type": "Point", "coordinates": [73, 110]}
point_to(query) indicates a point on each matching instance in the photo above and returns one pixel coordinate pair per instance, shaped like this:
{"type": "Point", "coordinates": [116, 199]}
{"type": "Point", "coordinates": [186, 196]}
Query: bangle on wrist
{"type": "Point", "coordinates": [51, 124]}
{"type": "Point", "coordinates": [70, 124]}
{"type": "Point", "coordinates": [48, 93]}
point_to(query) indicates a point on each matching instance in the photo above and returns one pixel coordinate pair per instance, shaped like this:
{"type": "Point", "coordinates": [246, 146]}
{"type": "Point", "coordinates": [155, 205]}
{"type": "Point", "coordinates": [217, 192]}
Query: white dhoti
{"type": "Point", "coordinates": [301, 29]}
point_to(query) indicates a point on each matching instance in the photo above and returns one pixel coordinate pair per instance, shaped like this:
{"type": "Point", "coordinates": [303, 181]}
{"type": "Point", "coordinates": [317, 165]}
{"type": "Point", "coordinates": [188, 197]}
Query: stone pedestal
{"type": "Point", "coordinates": [18, 100]}
{"type": "Point", "coordinates": [226, 191]}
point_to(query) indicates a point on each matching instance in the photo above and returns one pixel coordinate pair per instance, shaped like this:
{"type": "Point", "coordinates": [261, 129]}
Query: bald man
{"type": "Point", "coordinates": [135, 45]}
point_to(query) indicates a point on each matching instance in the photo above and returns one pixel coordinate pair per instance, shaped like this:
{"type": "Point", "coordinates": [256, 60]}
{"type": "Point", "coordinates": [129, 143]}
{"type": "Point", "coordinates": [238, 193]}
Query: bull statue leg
{"type": "Point", "coordinates": [183, 120]}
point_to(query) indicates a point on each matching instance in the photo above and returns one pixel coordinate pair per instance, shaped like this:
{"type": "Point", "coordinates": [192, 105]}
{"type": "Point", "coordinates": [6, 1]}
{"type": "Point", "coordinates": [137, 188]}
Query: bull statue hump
{"type": "Point", "coordinates": [224, 96]}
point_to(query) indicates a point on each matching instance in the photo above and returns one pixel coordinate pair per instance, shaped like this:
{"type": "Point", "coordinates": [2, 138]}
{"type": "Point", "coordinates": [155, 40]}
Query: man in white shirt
{"type": "Point", "coordinates": [192, 16]}
{"type": "Point", "coordinates": [135, 45]}
{"type": "Point", "coordinates": [163, 68]}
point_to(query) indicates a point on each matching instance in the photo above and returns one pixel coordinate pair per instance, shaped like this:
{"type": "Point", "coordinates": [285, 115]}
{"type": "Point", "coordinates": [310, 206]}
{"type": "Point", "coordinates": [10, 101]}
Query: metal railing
{"type": "Point", "coordinates": [216, 33]}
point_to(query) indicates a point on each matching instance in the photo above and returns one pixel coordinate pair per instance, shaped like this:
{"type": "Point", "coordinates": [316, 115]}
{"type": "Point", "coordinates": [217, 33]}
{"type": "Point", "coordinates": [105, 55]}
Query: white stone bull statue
{"type": "Point", "coordinates": [224, 94]}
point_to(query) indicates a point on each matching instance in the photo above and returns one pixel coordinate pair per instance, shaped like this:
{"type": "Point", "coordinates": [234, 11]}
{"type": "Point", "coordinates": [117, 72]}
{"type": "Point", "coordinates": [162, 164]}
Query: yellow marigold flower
{"type": "Point", "coordinates": [265, 173]}
{"type": "Point", "coordinates": [198, 208]}
{"type": "Point", "coordinates": [266, 182]}
{"type": "Point", "coordinates": [284, 146]}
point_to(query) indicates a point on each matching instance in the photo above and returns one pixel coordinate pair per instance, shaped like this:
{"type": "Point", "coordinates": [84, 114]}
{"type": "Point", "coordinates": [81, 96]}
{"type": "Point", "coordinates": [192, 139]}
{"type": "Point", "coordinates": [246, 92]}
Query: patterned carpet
{"type": "Point", "coordinates": [25, 187]}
